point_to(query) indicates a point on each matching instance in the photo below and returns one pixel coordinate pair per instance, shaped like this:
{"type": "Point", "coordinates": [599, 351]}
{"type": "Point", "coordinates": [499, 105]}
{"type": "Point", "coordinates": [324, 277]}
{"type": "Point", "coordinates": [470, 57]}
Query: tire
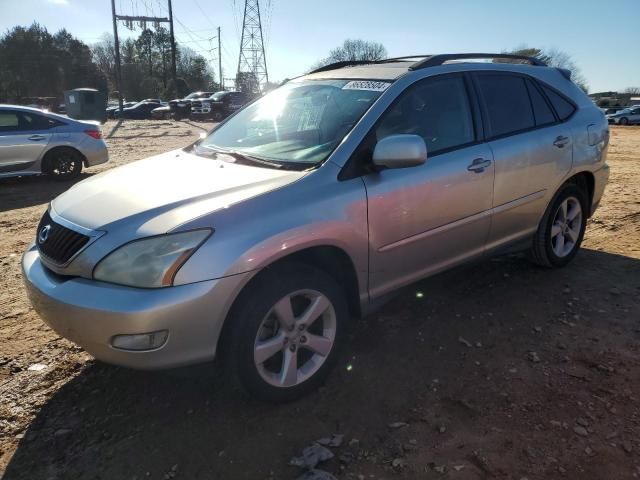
{"type": "Point", "coordinates": [624, 121]}
{"type": "Point", "coordinates": [262, 343]}
{"type": "Point", "coordinates": [558, 239]}
{"type": "Point", "coordinates": [64, 164]}
{"type": "Point", "coordinates": [217, 116]}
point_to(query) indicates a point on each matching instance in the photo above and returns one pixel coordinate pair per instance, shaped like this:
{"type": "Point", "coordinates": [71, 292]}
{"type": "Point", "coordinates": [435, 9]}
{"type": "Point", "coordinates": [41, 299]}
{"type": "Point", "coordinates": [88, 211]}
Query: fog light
{"type": "Point", "coordinates": [140, 341]}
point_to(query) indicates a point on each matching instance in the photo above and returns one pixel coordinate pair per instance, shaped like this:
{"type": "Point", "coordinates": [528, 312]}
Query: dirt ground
{"type": "Point", "coordinates": [498, 370]}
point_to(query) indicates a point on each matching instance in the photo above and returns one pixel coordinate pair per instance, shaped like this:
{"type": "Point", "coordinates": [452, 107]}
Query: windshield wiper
{"type": "Point", "coordinates": [252, 159]}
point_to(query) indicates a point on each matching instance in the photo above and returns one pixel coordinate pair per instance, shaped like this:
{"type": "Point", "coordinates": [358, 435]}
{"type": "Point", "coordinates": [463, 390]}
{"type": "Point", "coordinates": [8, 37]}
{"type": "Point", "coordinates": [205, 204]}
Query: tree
{"type": "Point", "coordinates": [248, 83]}
{"type": "Point", "coordinates": [104, 56]}
{"type": "Point", "coordinates": [193, 68]}
{"type": "Point", "coordinates": [36, 63]}
{"type": "Point", "coordinates": [354, 50]}
{"type": "Point", "coordinates": [632, 90]}
{"type": "Point", "coordinates": [555, 58]}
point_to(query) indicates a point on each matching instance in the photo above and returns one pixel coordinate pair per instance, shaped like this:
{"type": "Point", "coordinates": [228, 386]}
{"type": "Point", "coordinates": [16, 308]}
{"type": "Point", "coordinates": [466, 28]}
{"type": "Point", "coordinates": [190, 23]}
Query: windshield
{"type": "Point", "coordinates": [218, 96]}
{"type": "Point", "coordinates": [301, 122]}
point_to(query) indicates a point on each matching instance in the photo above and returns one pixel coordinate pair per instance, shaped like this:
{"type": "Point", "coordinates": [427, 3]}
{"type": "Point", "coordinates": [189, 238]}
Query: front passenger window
{"type": "Point", "coordinates": [8, 122]}
{"type": "Point", "coordinates": [437, 109]}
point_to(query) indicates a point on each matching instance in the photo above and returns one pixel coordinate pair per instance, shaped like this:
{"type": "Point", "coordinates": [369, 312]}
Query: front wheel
{"type": "Point", "coordinates": [64, 164]}
{"type": "Point", "coordinates": [624, 121]}
{"type": "Point", "coordinates": [561, 230]}
{"type": "Point", "coordinates": [285, 334]}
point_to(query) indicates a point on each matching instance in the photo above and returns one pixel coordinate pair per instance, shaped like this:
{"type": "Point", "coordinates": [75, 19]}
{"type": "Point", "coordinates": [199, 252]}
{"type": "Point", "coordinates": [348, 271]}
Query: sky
{"type": "Point", "coordinates": [600, 35]}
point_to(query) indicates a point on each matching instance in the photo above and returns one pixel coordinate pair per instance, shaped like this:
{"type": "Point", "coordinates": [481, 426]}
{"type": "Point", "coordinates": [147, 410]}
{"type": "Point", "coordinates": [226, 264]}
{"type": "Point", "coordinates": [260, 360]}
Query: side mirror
{"type": "Point", "coordinates": [400, 151]}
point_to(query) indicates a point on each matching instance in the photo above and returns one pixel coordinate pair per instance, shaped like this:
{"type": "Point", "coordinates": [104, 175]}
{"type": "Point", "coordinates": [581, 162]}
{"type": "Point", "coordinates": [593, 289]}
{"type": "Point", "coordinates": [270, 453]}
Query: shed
{"type": "Point", "coordinates": [86, 104]}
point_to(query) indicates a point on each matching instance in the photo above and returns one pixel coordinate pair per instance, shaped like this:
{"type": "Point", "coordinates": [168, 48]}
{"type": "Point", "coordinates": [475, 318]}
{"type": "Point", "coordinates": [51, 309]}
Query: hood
{"type": "Point", "coordinates": [159, 193]}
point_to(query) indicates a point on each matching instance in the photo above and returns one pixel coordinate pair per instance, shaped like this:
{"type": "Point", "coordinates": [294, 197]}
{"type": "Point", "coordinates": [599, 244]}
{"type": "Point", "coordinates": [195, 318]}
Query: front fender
{"type": "Point", "coordinates": [317, 210]}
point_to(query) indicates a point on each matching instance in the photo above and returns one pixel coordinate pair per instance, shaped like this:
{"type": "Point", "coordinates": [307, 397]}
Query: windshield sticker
{"type": "Point", "coordinates": [366, 85]}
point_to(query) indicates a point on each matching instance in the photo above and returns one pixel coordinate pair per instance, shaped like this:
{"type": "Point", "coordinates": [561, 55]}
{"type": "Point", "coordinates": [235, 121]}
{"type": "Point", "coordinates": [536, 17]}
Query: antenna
{"type": "Point", "coordinates": [252, 63]}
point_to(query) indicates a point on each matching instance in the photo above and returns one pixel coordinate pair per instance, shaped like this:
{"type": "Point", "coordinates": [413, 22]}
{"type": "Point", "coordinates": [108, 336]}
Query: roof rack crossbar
{"type": "Point", "coordinates": [342, 64]}
{"type": "Point", "coordinates": [353, 63]}
{"type": "Point", "coordinates": [404, 57]}
{"type": "Point", "coordinates": [436, 60]}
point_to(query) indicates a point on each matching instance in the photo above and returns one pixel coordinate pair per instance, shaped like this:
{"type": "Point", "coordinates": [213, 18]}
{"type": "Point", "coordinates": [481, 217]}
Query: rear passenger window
{"type": "Point", "coordinates": [541, 110]}
{"type": "Point", "coordinates": [437, 109]}
{"type": "Point", "coordinates": [506, 102]}
{"type": "Point", "coordinates": [562, 106]}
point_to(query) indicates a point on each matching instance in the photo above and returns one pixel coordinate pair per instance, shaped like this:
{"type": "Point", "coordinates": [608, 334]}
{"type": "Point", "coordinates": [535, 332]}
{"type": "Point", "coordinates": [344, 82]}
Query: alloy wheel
{"type": "Point", "coordinates": [65, 165]}
{"type": "Point", "coordinates": [295, 338]}
{"type": "Point", "coordinates": [566, 227]}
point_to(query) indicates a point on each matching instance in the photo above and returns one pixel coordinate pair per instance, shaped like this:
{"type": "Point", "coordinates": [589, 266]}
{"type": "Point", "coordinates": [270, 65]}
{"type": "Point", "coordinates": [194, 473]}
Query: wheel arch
{"type": "Point", "coordinates": [332, 260]}
{"type": "Point", "coordinates": [586, 181]}
{"type": "Point", "coordinates": [48, 155]}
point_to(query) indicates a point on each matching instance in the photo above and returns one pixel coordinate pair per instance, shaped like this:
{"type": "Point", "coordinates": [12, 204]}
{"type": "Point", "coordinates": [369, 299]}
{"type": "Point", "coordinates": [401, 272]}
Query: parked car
{"type": "Point", "coordinates": [161, 113]}
{"type": "Point", "coordinates": [33, 141]}
{"type": "Point", "coordinates": [111, 109]}
{"type": "Point", "coordinates": [181, 107]}
{"type": "Point", "coordinates": [310, 206]}
{"type": "Point", "coordinates": [139, 111]}
{"type": "Point", "coordinates": [610, 110]}
{"type": "Point", "coordinates": [218, 106]}
{"type": "Point", "coordinates": [626, 116]}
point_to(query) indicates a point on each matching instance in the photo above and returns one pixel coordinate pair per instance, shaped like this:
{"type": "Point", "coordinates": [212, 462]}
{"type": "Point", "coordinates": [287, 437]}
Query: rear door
{"type": "Point", "coordinates": [23, 139]}
{"type": "Point", "coordinates": [430, 217]}
{"type": "Point", "coordinates": [532, 151]}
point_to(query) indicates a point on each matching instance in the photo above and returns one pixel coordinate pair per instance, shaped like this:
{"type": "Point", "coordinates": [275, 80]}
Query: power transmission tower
{"type": "Point", "coordinates": [252, 64]}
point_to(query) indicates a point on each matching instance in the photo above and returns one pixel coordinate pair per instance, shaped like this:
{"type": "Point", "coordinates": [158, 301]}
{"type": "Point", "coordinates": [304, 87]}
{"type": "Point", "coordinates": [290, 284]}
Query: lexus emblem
{"type": "Point", "coordinates": [43, 234]}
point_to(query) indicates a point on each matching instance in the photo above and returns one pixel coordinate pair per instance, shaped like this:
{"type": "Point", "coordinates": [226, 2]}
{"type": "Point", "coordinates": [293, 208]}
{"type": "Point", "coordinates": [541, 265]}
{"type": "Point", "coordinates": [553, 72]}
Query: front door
{"type": "Point", "coordinates": [23, 138]}
{"type": "Point", "coordinates": [428, 218]}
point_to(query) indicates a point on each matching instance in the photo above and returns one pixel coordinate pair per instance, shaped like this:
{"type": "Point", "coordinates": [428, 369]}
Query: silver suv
{"type": "Point", "coordinates": [310, 205]}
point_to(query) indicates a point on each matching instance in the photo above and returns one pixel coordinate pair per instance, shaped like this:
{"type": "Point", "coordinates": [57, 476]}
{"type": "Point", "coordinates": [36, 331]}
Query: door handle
{"type": "Point", "coordinates": [561, 141]}
{"type": "Point", "coordinates": [36, 138]}
{"type": "Point", "coordinates": [478, 165]}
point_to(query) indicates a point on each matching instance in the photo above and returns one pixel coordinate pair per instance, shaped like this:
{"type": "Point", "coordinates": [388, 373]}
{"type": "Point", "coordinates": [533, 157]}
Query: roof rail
{"type": "Point", "coordinates": [435, 60]}
{"type": "Point", "coordinates": [344, 63]}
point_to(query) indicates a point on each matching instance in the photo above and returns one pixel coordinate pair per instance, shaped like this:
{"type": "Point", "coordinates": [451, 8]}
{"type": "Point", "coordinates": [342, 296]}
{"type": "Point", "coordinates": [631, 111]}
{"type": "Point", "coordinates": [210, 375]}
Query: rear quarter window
{"type": "Point", "coordinates": [563, 107]}
{"type": "Point", "coordinates": [541, 110]}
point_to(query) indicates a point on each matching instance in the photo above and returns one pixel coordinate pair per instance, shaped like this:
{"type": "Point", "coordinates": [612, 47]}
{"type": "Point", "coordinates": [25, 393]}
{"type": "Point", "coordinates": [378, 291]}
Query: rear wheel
{"type": "Point", "coordinates": [285, 335]}
{"type": "Point", "coordinates": [561, 230]}
{"type": "Point", "coordinates": [64, 164]}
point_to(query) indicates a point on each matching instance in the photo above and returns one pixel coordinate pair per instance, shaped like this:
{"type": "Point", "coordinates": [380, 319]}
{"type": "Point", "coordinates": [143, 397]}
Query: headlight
{"type": "Point", "coordinates": [150, 262]}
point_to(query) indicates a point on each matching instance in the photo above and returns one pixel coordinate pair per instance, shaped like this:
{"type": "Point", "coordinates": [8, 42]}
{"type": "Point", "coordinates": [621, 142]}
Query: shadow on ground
{"type": "Point", "coordinates": [112, 423]}
{"type": "Point", "coordinates": [22, 192]}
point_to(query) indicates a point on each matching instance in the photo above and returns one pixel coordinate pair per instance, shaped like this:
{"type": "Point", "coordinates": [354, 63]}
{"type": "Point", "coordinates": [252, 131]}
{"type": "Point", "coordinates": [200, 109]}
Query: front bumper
{"type": "Point", "coordinates": [91, 313]}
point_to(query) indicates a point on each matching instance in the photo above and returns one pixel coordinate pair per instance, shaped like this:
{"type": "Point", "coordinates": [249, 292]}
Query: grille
{"type": "Point", "coordinates": [60, 243]}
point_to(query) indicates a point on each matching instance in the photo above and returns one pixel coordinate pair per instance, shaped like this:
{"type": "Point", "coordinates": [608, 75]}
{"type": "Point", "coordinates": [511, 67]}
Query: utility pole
{"type": "Point", "coordinates": [252, 60]}
{"type": "Point", "coordinates": [117, 52]}
{"type": "Point", "coordinates": [173, 47]}
{"type": "Point", "coordinates": [220, 61]}
{"type": "Point", "coordinates": [129, 19]}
